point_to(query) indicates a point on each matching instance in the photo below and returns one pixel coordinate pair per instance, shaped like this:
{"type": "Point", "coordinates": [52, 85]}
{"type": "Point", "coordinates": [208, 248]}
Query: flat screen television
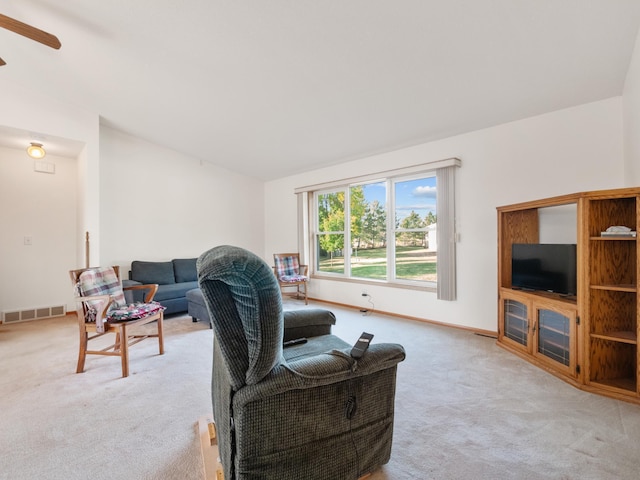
{"type": "Point", "coordinates": [549, 267]}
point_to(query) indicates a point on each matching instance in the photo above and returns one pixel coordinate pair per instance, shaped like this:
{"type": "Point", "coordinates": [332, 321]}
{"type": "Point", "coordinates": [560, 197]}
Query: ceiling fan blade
{"type": "Point", "coordinates": [2, 62]}
{"type": "Point", "coordinates": [30, 32]}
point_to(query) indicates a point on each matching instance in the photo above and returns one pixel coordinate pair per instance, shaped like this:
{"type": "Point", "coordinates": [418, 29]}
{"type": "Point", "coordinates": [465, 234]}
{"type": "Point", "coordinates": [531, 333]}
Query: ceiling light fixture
{"type": "Point", "coordinates": [36, 151]}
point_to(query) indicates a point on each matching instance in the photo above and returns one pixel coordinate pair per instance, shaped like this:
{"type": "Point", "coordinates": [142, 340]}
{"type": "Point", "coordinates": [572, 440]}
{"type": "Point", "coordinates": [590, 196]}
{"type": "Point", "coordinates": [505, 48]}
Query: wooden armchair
{"type": "Point", "coordinates": [291, 274]}
{"type": "Point", "coordinates": [102, 309]}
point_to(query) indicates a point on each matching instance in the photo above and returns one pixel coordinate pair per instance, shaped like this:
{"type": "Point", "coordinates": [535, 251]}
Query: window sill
{"type": "Point", "coordinates": [377, 283]}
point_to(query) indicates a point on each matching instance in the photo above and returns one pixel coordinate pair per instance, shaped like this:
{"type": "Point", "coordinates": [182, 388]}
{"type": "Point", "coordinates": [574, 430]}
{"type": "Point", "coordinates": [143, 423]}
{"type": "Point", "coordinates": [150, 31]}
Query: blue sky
{"type": "Point", "coordinates": [417, 195]}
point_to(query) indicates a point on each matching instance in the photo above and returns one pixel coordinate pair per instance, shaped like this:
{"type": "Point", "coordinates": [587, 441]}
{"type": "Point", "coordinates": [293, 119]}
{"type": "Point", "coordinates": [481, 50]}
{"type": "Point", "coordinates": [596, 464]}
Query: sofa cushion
{"type": "Point", "coordinates": [174, 290]}
{"type": "Point", "coordinates": [185, 270]}
{"type": "Point", "coordinates": [134, 311]}
{"type": "Point", "coordinates": [152, 272]}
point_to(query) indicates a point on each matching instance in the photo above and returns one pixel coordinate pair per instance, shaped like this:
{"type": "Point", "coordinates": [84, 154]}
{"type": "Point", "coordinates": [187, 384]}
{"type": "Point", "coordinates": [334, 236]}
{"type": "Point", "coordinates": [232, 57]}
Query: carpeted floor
{"type": "Point", "coordinates": [465, 409]}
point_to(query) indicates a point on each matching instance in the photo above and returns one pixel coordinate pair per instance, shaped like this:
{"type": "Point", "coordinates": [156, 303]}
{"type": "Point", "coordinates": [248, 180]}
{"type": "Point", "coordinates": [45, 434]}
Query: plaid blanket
{"type": "Point", "coordinates": [104, 281]}
{"type": "Point", "coordinates": [101, 281]}
{"type": "Point", "coordinates": [288, 269]}
{"type": "Point", "coordinates": [287, 266]}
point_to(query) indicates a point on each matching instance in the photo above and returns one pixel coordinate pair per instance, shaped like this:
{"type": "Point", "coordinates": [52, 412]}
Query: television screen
{"type": "Point", "coordinates": [548, 267]}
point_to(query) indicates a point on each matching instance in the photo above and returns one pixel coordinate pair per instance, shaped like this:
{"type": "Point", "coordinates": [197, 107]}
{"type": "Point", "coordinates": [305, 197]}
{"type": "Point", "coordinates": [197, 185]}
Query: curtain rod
{"type": "Point", "coordinates": [449, 162]}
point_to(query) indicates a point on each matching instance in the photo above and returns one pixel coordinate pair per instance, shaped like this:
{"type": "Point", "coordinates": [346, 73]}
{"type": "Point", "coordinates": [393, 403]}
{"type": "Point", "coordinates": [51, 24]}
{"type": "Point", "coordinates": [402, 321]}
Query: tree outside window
{"type": "Point", "coordinates": [331, 235]}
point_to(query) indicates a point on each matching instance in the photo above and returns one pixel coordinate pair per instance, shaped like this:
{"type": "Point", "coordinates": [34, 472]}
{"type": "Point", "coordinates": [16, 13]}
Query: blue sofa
{"type": "Point", "coordinates": [174, 278]}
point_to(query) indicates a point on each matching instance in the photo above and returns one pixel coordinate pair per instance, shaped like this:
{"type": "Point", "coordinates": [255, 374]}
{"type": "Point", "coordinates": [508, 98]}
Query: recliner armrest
{"type": "Point", "coordinates": [307, 323]}
{"type": "Point", "coordinates": [325, 369]}
{"type": "Point", "coordinates": [338, 365]}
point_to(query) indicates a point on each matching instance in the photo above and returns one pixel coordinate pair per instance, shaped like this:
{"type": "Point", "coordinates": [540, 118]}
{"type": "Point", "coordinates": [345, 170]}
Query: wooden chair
{"type": "Point", "coordinates": [290, 273]}
{"type": "Point", "coordinates": [97, 289]}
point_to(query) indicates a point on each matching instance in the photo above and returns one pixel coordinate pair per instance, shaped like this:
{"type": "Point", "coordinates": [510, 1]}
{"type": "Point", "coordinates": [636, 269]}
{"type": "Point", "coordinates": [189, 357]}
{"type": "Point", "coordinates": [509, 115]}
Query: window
{"type": "Point", "coordinates": [381, 246]}
{"type": "Point", "coordinates": [397, 229]}
{"type": "Point", "coordinates": [415, 246]}
{"type": "Point", "coordinates": [331, 232]}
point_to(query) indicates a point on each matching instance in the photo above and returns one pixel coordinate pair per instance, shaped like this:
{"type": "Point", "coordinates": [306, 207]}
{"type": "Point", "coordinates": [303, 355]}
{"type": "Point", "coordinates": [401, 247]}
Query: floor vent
{"type": "Point", "coordinates": [33, 314]}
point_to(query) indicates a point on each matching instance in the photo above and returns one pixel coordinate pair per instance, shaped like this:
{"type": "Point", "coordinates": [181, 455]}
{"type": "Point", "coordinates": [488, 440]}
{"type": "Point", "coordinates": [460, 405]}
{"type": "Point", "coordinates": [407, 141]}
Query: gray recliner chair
{"type": "Point", "coordinates": [308, 411]}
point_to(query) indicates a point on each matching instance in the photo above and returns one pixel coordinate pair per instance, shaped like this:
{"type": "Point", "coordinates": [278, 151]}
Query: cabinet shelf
{"type": "Point", "coordinates": [556, 330]}
{"type": "Point", "coordinates": [548, 343]}
{"type": "Point", "coordinates": [626, 385]}
{"type": "Point", "coordinates": [623, 336]}
{"type": "Point", "coordinates": [514, 317]}
{"type": "Point", "coordinates": [517, 329]}
{"type": "Point", "coordinates": [570, 300]}
{"type": "Point", "coordinates": [611, 239]}
{"type": "Point", "coordinates": [617, 288]}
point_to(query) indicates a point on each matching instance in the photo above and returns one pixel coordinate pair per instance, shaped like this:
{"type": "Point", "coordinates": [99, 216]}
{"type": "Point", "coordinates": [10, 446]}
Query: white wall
{"type": "Point", "coordinates": [631, 99]}
{"type": "Point", "coordinates": [43, 207]}
{"type": "Point", "coordinates": [157, 204]}
{"type": "Point", "coordinates": [558, 153]}
{"type": "Point", "coordinates": [558, 224]}
{"type": "Point", "coordinates": [44, 116]}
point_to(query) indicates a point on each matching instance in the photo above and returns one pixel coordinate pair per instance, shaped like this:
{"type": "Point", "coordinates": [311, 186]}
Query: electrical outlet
{"type": "Point", "coordinates": [28, 240]}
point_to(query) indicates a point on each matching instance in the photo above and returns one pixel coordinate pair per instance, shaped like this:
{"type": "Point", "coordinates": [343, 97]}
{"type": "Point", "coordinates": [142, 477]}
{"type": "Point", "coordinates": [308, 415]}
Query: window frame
{"type": "Point", "coordinates": [394, 231]}
{"type": "Point", "coordinates": [447, 237]}
{"type": "Point", "coordinates": [391, 231]}
{"type": "Point", "coordinates": [315, 234]}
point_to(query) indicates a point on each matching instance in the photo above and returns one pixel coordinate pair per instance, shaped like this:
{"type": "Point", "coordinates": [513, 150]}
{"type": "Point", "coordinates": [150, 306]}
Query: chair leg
{"type": "Point", "coordinates": [124, 349]}
{"type": "Point", "coordinates": [209, 449]}
{"type": "Point", "coordinates": [161, 333]}
{"type": "Point", "coordinates": [82, 352]}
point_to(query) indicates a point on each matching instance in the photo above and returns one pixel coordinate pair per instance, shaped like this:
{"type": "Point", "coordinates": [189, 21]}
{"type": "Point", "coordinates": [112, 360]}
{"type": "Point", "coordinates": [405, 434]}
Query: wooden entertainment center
{"type": "Point", "coordinates": [591, 339]}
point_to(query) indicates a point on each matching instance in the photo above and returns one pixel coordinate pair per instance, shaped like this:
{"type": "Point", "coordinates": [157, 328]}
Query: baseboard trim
{"type": "Point", "coordinates": [478, 331]}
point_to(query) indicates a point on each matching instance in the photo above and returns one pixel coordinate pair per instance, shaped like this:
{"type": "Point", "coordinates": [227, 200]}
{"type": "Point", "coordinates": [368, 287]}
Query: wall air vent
{"type": "Point", "coordinates": [33, 314]}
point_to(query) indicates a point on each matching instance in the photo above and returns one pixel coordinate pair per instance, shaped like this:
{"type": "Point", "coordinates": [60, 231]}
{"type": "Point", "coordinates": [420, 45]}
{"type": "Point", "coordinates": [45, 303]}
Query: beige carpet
{"type": "Point", "coordinates": [465, 409]}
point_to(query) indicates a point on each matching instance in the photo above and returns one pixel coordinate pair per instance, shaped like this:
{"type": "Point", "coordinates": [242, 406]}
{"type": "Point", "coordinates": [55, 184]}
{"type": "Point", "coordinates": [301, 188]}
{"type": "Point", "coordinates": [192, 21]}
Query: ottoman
{"type": "Point", "coordinates": [196, 306]}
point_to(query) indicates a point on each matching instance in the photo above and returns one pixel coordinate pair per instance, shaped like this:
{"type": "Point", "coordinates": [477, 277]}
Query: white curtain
{"type": "Point", "coordinates": [446, 233]}
{"type": "Point", "coordinates": [303, 227]}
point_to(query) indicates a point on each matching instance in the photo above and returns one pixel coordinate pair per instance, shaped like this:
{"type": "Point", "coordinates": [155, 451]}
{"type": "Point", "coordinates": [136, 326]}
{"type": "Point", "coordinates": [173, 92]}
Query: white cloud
{"type": "Point", "coordinates": [424, 191]}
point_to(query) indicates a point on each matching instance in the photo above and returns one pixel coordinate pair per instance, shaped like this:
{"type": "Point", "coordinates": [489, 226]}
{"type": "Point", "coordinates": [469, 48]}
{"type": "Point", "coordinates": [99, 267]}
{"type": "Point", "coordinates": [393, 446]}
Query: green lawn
{"type": "Point", "coordinates": [413, 263]}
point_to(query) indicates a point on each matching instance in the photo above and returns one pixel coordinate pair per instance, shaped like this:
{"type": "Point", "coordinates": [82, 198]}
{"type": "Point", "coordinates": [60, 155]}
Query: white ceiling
{"type": "Point", "coordinates": [279, 87]}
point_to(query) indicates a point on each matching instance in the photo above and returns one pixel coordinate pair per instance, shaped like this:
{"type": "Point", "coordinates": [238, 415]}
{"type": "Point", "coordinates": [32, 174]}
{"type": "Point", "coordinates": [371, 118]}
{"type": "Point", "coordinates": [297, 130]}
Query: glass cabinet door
{"type": "Point", "coordinates": [515, 327]}
{"type": "Point", "coordinates": [516, 321]}
{"type": "Point", "coordinates": [554, 334]}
